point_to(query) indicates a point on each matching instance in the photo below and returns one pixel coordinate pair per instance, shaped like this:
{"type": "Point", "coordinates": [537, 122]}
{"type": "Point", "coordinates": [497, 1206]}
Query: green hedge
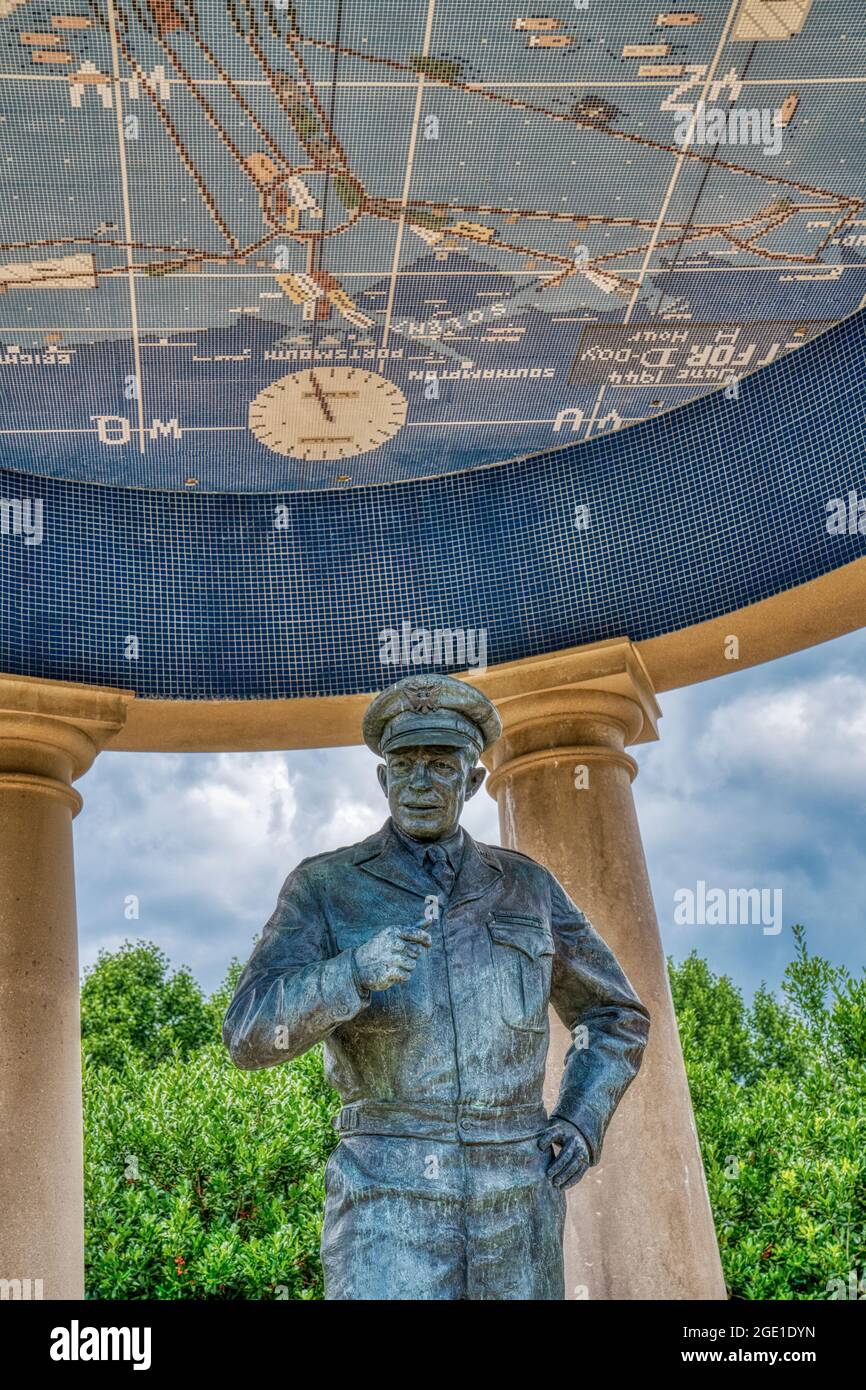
{"type": "Point", "coordinates": [779, 1093]}
{"type": "Point", "coordinates": [201, 1181]}
{"type": "Point", "coordinates": [205, 1182]}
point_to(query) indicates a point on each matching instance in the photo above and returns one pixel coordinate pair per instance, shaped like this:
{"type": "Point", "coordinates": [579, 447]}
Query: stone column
{"type": "Point", "coordinates": [639, 1224]}
{"type": "Point", "coordinates": [50, 733]}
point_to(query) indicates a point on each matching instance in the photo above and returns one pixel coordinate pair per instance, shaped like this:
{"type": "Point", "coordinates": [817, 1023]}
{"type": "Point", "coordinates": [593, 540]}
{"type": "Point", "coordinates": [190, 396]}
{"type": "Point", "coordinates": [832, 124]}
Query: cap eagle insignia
{"type": "Point", "coordinates": [423, 695]}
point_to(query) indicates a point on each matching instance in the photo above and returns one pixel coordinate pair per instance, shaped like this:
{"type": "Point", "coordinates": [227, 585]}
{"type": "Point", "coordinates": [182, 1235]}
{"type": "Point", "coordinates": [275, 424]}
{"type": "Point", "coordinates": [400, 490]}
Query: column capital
{"type": "Point", "coordinates": [588, 704]}
{"type": "Point", "coordinates": [51, 731]}
{"type": "Point", "coordinates": [614, 667]}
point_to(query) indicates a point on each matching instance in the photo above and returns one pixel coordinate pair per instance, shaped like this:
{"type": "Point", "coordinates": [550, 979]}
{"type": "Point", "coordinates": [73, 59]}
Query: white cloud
{"type": "Point", "coordinates": [759, 780]}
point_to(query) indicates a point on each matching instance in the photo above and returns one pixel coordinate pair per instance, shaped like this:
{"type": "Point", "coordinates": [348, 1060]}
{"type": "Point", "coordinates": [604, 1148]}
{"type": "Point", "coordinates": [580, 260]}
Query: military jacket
{"type": "Point", "coordinates": [458, 1051]}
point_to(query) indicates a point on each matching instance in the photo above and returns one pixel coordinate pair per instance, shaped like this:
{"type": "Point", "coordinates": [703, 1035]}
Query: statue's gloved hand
{"type": "Point", "coordinates": [573, 1159]}
{"type": "Point", "coordinates": [390, 956]}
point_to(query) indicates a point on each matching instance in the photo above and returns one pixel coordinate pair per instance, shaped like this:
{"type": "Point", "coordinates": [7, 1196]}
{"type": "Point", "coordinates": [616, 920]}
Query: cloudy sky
{"type": "Point", "coordinates": [758, 781]}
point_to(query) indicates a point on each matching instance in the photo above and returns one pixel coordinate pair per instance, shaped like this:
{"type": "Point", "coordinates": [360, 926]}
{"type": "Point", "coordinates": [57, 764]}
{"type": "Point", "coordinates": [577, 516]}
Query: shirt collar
{"type": "Point", "coordinates": [453, 846]}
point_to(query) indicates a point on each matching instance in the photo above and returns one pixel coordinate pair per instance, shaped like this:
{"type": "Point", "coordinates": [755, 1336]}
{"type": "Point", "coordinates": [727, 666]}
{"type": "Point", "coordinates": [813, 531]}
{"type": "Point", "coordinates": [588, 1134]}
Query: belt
{"type": "Point", "coordinates": [462, 1123]}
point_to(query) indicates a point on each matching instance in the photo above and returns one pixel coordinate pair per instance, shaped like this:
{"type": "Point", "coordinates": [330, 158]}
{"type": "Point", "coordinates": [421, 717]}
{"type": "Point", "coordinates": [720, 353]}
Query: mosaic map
{"type": "Point", "coordinates": [260, 245]}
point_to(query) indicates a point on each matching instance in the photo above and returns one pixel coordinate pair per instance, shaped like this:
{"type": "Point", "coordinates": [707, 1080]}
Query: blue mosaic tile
{"type": "Point", "coordinates": [710, 507]}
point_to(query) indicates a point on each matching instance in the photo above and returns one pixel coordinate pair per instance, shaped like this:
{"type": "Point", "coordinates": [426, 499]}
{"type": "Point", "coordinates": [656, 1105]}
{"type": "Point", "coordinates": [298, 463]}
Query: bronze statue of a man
{"type": "Point", "coordinates": [426, 962]}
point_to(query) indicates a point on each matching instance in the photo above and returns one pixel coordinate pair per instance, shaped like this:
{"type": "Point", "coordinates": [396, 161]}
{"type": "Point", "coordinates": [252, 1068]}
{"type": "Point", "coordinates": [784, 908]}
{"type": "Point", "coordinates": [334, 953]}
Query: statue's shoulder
{"type": "Point", "coordinates": [329, 859]}
{"type": "Point", "coordinates": [512, 861]}
{"type": "Point", "coordinates": [511, 858]}
{"type": "Point", "coordinates": [332, 860]}
{"type": "Point", "coordinates": [516, 854]}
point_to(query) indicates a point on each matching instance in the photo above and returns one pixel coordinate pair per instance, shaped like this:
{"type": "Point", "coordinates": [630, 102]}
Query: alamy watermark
{"type": "Point", "coordinates": [21, 1290]}
{"type": "Point", "coordinates": [22, 517]}
{"type": "Point", "coordinates": [77, 1343]}
{"type": "Point", "coordinates": [852, 1287]}
{"type": "Point", "coordinates": [846, 516]}
{"type": "Point", "coordinates": [733, 907]}
{"type": "Point", "coordinates": [463, 648]}
{"type": "Point", "coordinates": [718, 125]}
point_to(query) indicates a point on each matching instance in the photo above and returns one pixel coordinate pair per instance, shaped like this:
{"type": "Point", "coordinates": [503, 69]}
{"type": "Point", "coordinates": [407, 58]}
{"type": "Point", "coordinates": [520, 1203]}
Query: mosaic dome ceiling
{"type": "Point", "coordinates": [329, 320]}
{"type": "Point", "coordinates": [256, 245]}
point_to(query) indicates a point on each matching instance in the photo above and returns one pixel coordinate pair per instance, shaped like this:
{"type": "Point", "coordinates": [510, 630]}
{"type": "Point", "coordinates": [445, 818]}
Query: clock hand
{"type": "Point", "coordinates": [320, 397]}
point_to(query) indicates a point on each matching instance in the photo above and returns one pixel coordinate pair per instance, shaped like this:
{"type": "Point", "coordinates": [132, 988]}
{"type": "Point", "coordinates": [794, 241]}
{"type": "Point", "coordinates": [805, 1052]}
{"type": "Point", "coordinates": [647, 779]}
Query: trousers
{"type": "Point", "coordinates": [419, 1219]}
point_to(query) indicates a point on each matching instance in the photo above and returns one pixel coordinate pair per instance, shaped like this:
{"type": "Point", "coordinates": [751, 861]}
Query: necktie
{"type": "Point", "coordinates": [436, 864]}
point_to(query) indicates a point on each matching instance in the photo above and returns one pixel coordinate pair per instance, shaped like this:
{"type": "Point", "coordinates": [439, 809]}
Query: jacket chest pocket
{"type": "Point", "coordinates": [522, 950]}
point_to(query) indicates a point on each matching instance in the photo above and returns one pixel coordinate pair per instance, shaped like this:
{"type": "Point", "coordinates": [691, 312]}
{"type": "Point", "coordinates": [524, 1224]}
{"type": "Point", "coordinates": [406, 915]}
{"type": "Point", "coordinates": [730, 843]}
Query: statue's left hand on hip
{"type": "Point", "coordinates": [573, 1159]}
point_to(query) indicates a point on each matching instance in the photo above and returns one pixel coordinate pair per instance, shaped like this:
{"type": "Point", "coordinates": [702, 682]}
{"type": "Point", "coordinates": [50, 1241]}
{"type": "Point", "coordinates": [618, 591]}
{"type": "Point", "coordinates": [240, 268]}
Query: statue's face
{"type": "Point", "coordinates": [426, 788]}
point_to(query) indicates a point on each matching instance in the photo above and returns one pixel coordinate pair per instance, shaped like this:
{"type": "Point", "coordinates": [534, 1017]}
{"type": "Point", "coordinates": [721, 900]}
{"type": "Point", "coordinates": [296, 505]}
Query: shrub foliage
{"type": "Point", "coordinates": [205, 1182]}
{"type": "Point", "coordinates": [779, 1092]}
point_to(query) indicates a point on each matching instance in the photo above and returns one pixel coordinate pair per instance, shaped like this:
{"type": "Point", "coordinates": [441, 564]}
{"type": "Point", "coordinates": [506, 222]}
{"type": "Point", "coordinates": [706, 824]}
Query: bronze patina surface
{"type": "Point", "coordinates": [427, 962]}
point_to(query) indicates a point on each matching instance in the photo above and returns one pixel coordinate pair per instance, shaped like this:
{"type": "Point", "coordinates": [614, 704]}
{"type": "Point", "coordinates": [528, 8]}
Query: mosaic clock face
{"type": "Point", "coordinates": [328, 413]}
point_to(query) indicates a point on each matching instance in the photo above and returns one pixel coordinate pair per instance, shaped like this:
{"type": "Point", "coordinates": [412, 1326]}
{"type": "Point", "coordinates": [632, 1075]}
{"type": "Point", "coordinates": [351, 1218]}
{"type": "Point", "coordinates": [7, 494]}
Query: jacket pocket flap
{"type": "Point", "coordinates": [525, 934]}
